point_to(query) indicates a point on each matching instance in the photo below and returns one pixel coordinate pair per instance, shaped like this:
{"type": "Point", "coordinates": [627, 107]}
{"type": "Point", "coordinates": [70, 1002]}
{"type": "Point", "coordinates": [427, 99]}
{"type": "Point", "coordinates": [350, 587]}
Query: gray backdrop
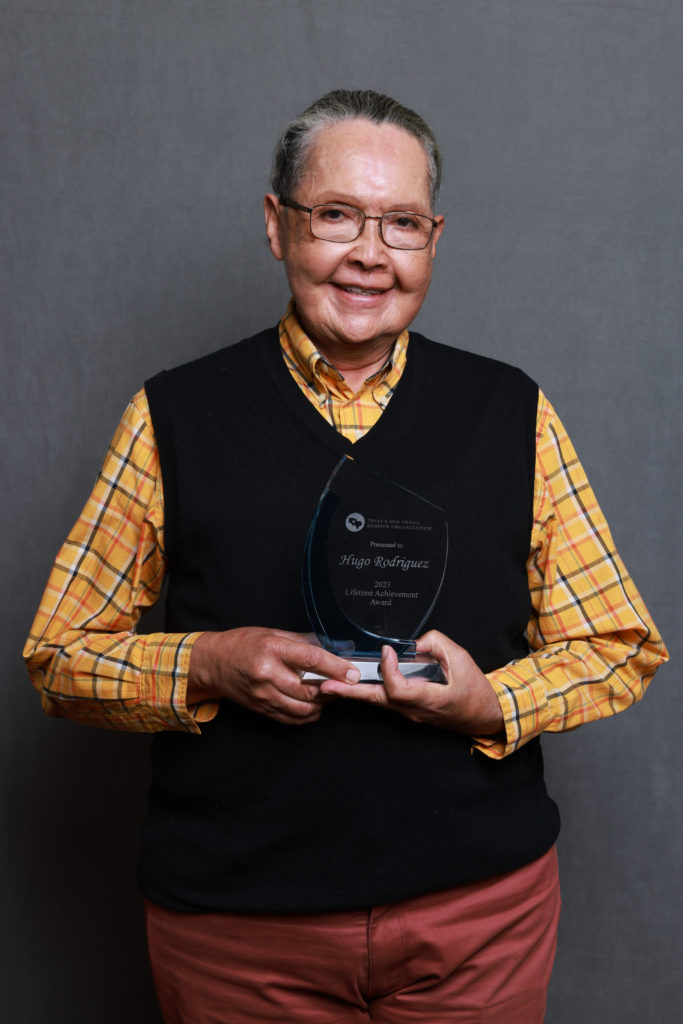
{"type": "Point", "coordinates": [137, 139]}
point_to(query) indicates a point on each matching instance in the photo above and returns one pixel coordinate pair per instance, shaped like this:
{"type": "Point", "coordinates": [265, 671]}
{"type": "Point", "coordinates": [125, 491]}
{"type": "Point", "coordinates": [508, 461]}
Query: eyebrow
{"type": "Point", "coordinates": [400, 207]}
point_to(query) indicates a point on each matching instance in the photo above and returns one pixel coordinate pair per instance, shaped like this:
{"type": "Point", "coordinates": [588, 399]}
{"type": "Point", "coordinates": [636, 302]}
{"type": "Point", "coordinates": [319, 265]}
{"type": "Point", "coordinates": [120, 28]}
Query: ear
{"type": "Point", "coordinates": [437, 235]}
{"type": "Point", "coordinates": [273, 213]}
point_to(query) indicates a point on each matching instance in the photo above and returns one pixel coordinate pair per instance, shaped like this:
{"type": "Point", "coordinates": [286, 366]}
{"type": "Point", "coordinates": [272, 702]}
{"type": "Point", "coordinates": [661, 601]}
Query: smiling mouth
{"type": "Point", "coordinates": [352, 290]}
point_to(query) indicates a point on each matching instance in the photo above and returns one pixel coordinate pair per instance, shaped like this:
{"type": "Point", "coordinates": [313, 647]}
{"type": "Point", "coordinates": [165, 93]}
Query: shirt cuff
{"type": "Point", "coordinates": [163, 683]}
{"type": "Point", "coordinates": [518, 706]}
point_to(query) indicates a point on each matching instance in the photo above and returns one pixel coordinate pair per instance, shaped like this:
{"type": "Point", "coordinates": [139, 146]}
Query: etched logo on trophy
{"type": "Point", "coordinates": [355, 522]}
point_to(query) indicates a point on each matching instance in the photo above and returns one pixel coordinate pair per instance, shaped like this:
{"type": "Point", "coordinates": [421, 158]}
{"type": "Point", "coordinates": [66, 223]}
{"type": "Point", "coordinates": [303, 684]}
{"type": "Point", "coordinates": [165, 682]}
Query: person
{"type": "Point", "coordinates": [333, 850]}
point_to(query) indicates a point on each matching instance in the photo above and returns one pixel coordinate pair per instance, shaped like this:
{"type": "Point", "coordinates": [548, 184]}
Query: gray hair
{"type": "Point", "coordinates": [345, 105]}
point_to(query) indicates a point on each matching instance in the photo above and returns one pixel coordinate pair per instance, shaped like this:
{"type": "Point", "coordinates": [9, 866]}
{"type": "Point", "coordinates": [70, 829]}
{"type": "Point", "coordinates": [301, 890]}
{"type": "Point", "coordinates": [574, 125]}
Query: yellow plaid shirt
{"type": "Point", "coordinates": [593, 645]}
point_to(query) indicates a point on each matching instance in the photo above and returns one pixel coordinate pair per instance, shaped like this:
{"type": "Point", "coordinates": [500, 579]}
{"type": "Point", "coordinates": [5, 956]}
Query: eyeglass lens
{"type": "Point", "coordinates": [337, 223]}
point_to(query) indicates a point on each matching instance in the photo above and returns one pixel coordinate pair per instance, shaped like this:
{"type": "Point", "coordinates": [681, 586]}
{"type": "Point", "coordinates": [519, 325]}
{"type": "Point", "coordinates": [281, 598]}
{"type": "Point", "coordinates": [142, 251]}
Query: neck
{"type": "Point", "coordinates": [355, 367]}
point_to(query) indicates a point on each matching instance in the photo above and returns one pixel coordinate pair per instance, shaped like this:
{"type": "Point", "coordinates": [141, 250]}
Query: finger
{"type": "Point", "coordinates": [294, 718]}
{"type": "Point", "coordinates": [397, 687]}
{"type": "Point", "coordinates": [292, 709]}
{"type": "Point", "coordinates": [292, 683]}
{"type": "Point", "coordinates": [308, 691]}
{"type": "Point", "coordinates": [302, 638]}
{"type": "Point", "coordinates": [441, 649]}
{"type": "Point", "coordinates": [323, 664]}
{"type": "Point", "coordinates": [430, 642]}
{"type": "Point", "coordinates": [392, 678]}
{"type": "Point", "coordinates": [370, 693]}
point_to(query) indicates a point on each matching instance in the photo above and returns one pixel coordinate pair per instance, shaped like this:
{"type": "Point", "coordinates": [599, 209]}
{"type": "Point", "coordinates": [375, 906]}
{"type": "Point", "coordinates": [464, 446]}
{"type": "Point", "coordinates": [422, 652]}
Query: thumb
{"type": "Point", "coordinates": [434, 643]}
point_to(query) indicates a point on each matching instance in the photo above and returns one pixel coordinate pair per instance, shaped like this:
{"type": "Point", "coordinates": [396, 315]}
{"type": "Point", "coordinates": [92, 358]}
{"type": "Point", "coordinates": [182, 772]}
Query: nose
{"type": "Point", "coordinates": [369, 248]}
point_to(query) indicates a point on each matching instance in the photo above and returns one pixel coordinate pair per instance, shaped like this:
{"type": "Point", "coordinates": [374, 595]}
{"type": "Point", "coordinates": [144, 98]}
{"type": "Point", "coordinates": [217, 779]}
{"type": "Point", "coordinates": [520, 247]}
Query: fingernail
{"type": "Point", "coordinates": [353, 675]}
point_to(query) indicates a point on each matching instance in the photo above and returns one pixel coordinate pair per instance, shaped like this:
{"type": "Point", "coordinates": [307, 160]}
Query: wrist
{"type": "Point", "coordinates": [478, 708]}
{"type": "Point", "coordinates": [200, 675]}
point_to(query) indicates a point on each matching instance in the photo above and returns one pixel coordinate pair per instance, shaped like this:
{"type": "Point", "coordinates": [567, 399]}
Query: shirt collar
{"type": "Point", "coordinates": [323, 378]}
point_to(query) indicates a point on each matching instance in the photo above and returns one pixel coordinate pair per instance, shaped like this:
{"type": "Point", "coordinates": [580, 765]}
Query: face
{"type": "Point", "coordinates": [354, 298]}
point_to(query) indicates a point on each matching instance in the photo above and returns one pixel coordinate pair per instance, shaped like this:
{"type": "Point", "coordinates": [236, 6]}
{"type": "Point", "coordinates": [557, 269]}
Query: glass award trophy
{"type": "Point", "coordinates": [373, 566]}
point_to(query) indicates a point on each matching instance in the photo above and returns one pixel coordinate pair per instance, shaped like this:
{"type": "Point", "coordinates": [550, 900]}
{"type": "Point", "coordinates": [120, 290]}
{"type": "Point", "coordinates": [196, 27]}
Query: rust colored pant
{"type": "Point", "coordinates": [476, 954]}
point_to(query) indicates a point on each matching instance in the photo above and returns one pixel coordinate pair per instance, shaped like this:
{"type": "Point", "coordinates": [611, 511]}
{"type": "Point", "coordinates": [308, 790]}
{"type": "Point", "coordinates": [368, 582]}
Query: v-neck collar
{"type": "Point", "coordinates": [398, 416]}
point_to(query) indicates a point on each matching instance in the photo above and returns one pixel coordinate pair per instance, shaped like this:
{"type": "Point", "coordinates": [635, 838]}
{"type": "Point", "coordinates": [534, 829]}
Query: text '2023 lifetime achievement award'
{"type": "Point", "coordinates": [374, 562]}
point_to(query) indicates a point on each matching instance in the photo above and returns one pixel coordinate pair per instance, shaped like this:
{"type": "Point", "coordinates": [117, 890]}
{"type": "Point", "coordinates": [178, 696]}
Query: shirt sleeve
{"type": "Point", "coordinates": [83, 653]}
{"type": "Point", "coordinates": [594, 647]}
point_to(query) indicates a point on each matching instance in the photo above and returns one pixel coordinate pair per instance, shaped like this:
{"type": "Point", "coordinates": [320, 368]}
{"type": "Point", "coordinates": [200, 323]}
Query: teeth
{"type": "Point", "coordinates": [361, 291]}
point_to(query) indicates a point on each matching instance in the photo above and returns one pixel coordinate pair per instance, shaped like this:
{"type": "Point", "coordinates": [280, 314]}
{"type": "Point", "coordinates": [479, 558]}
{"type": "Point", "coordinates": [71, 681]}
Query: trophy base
{"type": "Point", "coordinates": [419, 666]}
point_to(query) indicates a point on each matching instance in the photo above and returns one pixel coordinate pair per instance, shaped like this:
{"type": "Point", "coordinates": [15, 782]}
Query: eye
{"type": "Point", "coordinates": [335, 214]}
{"type": "Point", "coordinates": [404, 222]}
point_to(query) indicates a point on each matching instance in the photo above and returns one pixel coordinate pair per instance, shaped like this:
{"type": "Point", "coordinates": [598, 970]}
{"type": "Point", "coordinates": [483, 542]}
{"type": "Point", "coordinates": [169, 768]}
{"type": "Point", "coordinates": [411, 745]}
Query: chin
{"type": "Point", "coordinates": [354, 332]}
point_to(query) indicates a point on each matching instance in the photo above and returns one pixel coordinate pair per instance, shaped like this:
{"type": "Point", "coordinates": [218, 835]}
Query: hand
{"type": "Point", "coordinates": [467, 703]}
{"type": "Point", "coordinates": [261, 669]}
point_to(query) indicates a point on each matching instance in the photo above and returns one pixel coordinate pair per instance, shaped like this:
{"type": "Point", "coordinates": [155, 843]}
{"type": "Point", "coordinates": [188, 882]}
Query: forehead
{"type": "Point", "coordinates": [365, 162]}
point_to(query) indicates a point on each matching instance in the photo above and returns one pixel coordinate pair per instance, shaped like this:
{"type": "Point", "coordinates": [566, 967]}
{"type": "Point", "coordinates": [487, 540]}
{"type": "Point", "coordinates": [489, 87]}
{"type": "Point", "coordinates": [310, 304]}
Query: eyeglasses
{"type": "Point", "coordinates": [337, 222]}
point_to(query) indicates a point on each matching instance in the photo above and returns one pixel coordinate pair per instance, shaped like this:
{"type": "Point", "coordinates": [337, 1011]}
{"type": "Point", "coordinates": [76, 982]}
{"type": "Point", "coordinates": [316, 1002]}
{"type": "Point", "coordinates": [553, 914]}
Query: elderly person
{"type": "Point", "coordinates": [336, 850]}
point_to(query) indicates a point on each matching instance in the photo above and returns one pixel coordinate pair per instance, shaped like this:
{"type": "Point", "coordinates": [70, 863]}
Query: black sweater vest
{"type": "Point", "coordinates": [363, 807]}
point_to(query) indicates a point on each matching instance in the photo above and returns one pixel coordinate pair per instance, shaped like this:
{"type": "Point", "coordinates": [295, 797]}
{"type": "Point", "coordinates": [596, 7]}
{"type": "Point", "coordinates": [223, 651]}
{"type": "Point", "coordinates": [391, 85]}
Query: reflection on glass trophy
{"type": "Point", "coordinates": [374, 563]}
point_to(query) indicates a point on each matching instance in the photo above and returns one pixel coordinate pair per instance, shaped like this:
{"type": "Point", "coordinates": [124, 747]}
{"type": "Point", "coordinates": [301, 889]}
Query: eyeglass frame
{"type": "Point", "coordinates": [293, 205]}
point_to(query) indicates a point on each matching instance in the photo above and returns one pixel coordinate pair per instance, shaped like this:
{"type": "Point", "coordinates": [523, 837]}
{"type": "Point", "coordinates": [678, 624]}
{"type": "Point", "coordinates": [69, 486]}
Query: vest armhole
{"type": "Point", "coordinates": [531, 420]}
{"type": "Point", "coordinates": [155, 388]}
